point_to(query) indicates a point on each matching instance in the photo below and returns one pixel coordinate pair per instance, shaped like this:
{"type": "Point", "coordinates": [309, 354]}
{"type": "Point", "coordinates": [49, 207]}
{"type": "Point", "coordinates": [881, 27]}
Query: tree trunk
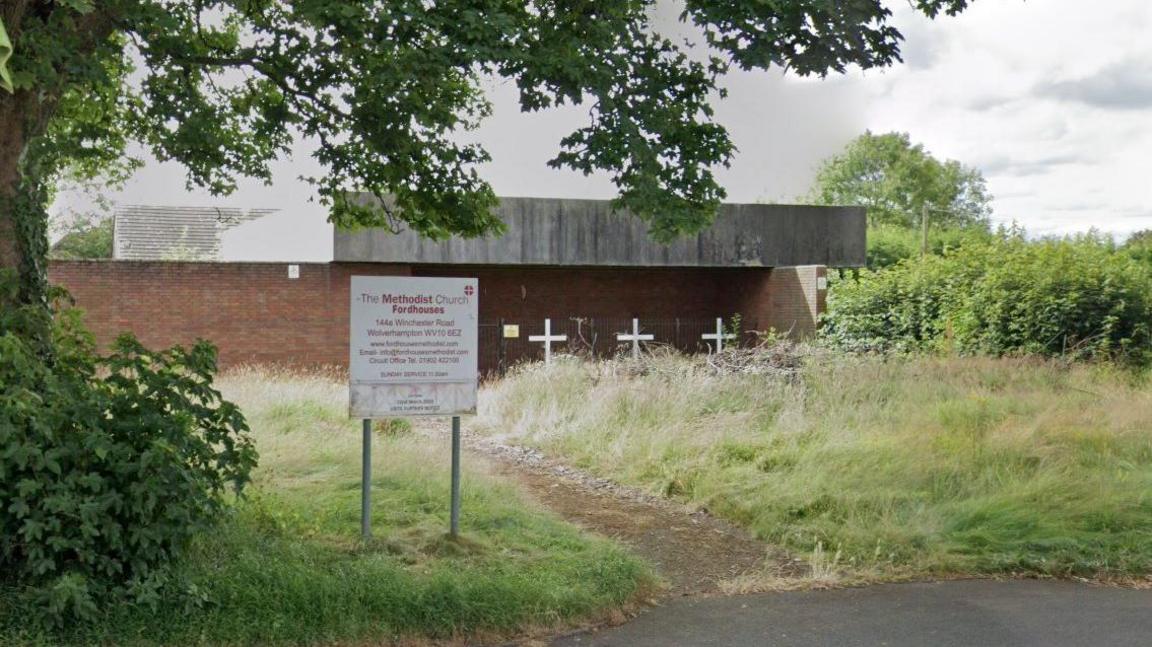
{"type": "Point", "coordinates": [12, 129]}
{"type": "Point", "coordinates": [14, 243]}
{"type": "Point", "coordinates": [24, 116]}
{"type": "Point", "coordinates": [9, 252]}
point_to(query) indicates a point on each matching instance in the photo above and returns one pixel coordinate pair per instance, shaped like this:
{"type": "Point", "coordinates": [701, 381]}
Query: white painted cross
{"type": "Point", "coordinates": [719, 336]}
{"type": "Point", "coordinates": [635, 338]}
{"type": "Point", "coordinates": [548, 338]}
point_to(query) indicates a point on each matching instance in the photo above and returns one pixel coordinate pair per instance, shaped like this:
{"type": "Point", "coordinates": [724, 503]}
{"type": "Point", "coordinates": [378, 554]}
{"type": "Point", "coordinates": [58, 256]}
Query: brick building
{"type": "Point", "coordinates": [575, 262]}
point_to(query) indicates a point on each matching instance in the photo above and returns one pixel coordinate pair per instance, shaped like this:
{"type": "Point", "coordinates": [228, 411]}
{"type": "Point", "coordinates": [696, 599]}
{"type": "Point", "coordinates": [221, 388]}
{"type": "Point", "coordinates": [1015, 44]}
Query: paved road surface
{"type": "Point", "coordinates": [936, 614]}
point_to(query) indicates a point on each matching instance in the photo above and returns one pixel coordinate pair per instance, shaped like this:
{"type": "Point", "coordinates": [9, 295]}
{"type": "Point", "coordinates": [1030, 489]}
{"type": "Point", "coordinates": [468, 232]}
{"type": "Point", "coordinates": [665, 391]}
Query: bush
{"type": "Point", "coordinates": [108, 465]}
{"type": "Point", "coordinates": [890, 244]}
{"type": "Point", "coordinates": [893, 309]}
{"type": "Point", "coordinates": [1075, 297]}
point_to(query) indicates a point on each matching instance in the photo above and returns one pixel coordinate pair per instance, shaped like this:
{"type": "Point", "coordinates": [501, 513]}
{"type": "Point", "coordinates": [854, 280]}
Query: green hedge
{"type": "Point", "coordinates": [108, 464]}
{"type": "Point", "coordinates": [1075, 297]}
{"type": "Point", "coordinates": [890, 244]}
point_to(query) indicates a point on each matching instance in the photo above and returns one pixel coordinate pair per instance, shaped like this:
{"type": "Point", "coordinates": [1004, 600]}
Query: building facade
{"type": "Point", "coordinates": [575, 262]}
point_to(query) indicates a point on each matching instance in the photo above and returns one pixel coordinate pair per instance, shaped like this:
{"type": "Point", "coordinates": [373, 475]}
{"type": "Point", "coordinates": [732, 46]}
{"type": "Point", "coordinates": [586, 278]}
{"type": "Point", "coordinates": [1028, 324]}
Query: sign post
{"type": "Point", "coordinates": [454, 514]}
{"type": "Point", "coordinates": [412, 352]}
{"type": "Point", "coordinates": [366, 482]}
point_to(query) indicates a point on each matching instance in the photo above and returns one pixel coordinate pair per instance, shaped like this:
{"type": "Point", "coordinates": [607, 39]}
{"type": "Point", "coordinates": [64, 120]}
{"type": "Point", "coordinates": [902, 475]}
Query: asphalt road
{"type": "Point", "coordinates": [937, 614]}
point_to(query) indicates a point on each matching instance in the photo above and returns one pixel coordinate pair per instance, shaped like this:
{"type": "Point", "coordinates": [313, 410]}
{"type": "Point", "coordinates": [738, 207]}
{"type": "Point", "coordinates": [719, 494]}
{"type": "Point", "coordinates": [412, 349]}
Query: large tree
{"type": "Point", "coordinates": [900, 182]}
{"type": "Point", "coordinates": [384, 86]}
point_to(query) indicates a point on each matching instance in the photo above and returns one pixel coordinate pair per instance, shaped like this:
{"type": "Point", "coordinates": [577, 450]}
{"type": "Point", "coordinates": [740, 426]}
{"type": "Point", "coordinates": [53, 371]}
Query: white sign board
{"type": "Point", "coordinates": [412, 346]}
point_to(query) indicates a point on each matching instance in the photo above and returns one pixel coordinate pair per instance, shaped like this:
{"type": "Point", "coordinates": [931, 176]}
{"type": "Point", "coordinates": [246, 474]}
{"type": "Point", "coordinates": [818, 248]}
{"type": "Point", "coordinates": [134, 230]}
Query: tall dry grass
{"type": "Point", "coordinates": [903, 466]}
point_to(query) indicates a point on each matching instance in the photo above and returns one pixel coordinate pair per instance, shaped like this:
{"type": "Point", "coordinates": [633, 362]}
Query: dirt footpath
{"type": "Point", "coordinates": [692, 551]}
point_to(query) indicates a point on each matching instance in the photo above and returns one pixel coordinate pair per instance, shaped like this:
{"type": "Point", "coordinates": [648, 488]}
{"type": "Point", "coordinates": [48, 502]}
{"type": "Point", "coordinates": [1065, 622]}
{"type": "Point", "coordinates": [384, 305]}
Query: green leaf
{"type": "Point", "coordinates": [19, 508]}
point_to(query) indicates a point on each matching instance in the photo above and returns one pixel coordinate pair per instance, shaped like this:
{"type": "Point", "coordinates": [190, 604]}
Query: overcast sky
{"type": "Point", "coordinates": [1051, 99]}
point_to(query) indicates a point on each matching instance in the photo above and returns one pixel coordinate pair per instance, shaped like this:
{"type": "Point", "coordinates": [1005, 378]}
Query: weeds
{"type": "Point", "coordinates": [907, 465]}
{"type": "Point", "coordinates": [824, 568]}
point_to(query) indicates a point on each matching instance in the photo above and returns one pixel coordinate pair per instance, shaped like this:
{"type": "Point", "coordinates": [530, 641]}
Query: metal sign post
{"type": "Point", "coordinates": [366, 483]}
{"type": "Point", "coordinates": [412, 352]}
{"type": "Point", "coordinates": [454, 515]}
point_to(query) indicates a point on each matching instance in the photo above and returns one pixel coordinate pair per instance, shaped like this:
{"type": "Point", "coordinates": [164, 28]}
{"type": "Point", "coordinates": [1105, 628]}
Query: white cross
{"type": "Point", "coordinates": [635, 338]}
{"type": "Point", "coordinates": [548, 338]}
{"type": "Point", "coordinates": [719, 336]}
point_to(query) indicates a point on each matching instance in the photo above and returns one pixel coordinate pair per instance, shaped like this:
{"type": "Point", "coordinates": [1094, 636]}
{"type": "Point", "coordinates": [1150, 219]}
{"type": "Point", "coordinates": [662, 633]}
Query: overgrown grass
{"type": "Point", "coordinates": [290, 567]}
{"type": "Point", "coordinates": [899, 466]}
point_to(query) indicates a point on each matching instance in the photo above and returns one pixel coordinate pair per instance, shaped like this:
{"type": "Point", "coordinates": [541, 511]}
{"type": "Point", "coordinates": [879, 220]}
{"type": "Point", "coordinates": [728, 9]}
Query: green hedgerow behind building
{"type": "Point", "coordinates": [1073, 297]}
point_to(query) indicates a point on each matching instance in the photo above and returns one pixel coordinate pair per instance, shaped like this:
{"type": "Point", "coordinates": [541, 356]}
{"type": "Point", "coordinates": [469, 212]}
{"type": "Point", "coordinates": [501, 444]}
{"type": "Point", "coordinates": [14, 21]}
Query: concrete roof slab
{"type": "Point", "coordinates": [567, 232]}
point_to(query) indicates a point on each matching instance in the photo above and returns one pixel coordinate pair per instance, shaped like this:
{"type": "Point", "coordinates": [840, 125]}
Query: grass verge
{"type": "Point", "coordinates": [888, 468]}
{"type": "Point", "coordinates": [289, 568]}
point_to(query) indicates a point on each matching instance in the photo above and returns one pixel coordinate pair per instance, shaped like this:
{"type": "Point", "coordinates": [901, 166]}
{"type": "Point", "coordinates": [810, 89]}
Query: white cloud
{"type": "Point", "coordinates": [1047, 98]}
{"type": "Point", "coordinates": [1122, 85]}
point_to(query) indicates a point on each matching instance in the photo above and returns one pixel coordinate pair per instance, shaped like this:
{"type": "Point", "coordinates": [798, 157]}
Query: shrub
{"type": "Point", "coordinates": [1058, 297]}
{"type": "Point", "coordinates": [893, 309]}
{"type": "Point", "coordinates": [890, 244]}
{"type": "Point", "coordinates": [108, 465]}
{"type": "Point", "coordinates": [1072, 297]}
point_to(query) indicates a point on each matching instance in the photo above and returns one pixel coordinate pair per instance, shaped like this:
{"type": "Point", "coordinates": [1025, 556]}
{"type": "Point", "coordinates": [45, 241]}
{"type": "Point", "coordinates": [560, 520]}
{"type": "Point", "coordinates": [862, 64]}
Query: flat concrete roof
{"type": "Point", "coordinates": [551, 231]}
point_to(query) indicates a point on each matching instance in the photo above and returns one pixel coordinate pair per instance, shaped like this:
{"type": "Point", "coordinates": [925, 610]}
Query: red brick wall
{"type": "Point", "coordinates": [255, 313]}
{"type": "Point", "coordinates": [787, 299]}
{"type": "Point", "coordinates": [252, 311]}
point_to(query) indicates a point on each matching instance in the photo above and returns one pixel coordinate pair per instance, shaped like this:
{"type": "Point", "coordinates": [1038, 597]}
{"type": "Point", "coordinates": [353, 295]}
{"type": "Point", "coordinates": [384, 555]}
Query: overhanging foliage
{"type": "Point", "coordinates": [385, 88]}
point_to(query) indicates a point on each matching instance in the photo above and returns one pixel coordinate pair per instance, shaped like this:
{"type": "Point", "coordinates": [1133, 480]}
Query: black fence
{"type": "Point", "coordinates": [595, 336]}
